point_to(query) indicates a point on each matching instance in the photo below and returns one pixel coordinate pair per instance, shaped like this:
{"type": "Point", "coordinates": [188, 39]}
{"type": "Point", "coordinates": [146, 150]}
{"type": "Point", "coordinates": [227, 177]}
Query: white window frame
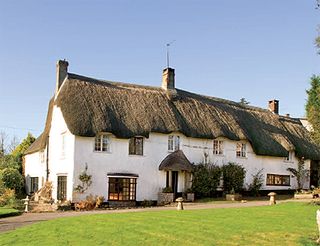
{"type": "Point", "coordinates": [217, 147]}
{"type": "Point", "coordinates": [241, 150]}
{"type": "Point", "coordinates": [289, 158]}
{"type": "Point", "coordinates": [173, 143]}
{"type": "Point", "coordinates": [102, 137]}
{"type": "Point", "coordinates": [136, 145]}
{"type": "Point", "coordinates": [63, 145]}
{"type": "Point", "coordinates": [42, 156]}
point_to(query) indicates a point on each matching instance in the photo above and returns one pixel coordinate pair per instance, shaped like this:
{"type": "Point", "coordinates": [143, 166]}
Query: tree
{"type": "Point", "coordinates": [12, 179]}
{"type": "Point", "coordinates": [244, 101]}
{"type": "Point", "coordinates": [313, 108]}
{"type": "Point", "coordinates": [233, 177]}
{"type": "Point", "coordinates": [24, 145]}
{"type": "Point", "coordinates": [206, 178]}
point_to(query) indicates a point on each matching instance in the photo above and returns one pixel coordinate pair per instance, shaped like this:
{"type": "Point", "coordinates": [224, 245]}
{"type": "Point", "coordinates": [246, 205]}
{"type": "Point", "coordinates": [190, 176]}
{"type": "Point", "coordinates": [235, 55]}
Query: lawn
{"type": "Point", "coordinates": [6, 212]}
{"type": "Point", "coordinates": [284, 224]}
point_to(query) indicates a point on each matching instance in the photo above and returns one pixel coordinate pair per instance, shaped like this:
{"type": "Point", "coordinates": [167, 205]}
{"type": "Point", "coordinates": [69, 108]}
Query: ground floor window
{"type": "Point", "coordinates": [62, 188]}
{"type": "Point", "coordinates": [276, 179]}
{"type": "Point", "coordinates": [34, 184]}
{"type": "Point", "coordinates": [122, 189]}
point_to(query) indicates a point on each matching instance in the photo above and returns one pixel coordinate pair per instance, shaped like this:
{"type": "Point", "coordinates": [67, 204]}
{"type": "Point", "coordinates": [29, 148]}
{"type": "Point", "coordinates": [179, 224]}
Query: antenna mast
{"type": "Point", "coordinates": [168, 55]}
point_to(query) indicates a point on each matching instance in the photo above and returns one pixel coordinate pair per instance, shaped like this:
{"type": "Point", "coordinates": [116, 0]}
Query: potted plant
{"type": "Point", "coordinates": [190, 195]}
{"type": "Point", "coordinates": [166, 196]}
{"type": "Point", "coordinates": [233, 196]}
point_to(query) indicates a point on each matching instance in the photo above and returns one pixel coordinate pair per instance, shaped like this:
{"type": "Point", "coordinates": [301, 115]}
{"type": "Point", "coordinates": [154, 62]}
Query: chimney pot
{"type": "Point", "coordinates": [274, 106]}
{"type": "Point", "coordinates": [168, 79]}
{"type": "Point", "coordinates": [61, 73]}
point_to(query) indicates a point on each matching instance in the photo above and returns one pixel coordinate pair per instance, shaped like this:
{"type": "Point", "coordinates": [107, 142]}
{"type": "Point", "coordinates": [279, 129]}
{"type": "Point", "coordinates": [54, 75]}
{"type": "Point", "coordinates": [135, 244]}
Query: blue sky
{"type": "Point", "coordinates": [258, 50]}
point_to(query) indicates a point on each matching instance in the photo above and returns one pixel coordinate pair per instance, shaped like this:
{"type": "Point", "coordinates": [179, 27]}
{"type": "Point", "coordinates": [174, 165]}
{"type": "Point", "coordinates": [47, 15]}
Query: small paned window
{"type": "Point", "coordinates": [102, 143]}
{"type": "Point", "coordinates": [62, 188]}
{"type": "Point", "coordinates": [217, 147]}
{"type": "Point", "coordinates": [241, 150]}
{"type": "Point", "coordinates": [122, 189]}
{"type": "Point", "coordinates": [34, 182]}
{"type": "Point", "coordinates": [173, 143]}
{"type": "Point", "coordinates": [289, 157]}
{"type": "Point", "coordinates": [276, 179]}
{"type": "Point", "coordinates": [136, 146]}
{"type": "Point", "coordinates": [63, 145]}
{"type": "Point", "coordinates": [42, 156]}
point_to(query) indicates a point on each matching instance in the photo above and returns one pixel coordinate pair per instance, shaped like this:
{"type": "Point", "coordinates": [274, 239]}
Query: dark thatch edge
{"type": "Point", "coordinates": [90, 106]}
{"type": "Point", "coordinates": [41, 142]}
{"type": "Point", "coordinates": [176, 161]}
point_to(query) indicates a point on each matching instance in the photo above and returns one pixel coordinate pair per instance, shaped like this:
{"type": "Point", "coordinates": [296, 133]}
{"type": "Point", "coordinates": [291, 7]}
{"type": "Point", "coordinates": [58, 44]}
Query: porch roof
{"type": "Point", "coordinates": [176, 161]}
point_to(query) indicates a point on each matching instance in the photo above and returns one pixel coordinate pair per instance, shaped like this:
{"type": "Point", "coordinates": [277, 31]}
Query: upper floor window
{"type": "Point", "coordinates": [241, 150]}
{"type": "Point", "coordinates": [42, 156]}
{"type": "Point", "coordinates": [136, 146]}
{"type": "Point", "coordinates": [289, 157]}
{"type": "Point", "coordinates": [217, 147]}
{"type": "Point", "coordinates": [173, 143]}
{"type": "Point", "coordinates": [102, 143]}
{"type": "Point", "coordinates": [63, 145]}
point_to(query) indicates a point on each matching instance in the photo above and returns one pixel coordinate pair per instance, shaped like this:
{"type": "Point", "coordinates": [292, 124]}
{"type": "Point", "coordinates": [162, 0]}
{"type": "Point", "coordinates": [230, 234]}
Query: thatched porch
{"type": "Point", "coordinates": [178, 172]}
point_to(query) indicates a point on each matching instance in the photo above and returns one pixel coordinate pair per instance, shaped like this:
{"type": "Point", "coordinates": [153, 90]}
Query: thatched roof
{"type": "Point", "coordinates": [41, 141]}
{"type": "Point", "coordinates": [90, 106]}
{"type": "Point", "coordinates": [176, 161]}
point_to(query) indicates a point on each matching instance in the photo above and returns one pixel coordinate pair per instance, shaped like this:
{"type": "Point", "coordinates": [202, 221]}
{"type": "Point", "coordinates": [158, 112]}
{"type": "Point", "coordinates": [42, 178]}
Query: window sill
{"type": "Point", "coordinates": [285, 161]}
{"type": "Point", "coordinates": [240, 157]}
{"type": "Point", "coordinates": [102, 152]}
{"type": "Point", "coordinates": [219, 155]}
{"type": "Point", "coordinates": [132, 155]}
{"type": "Point", "coordinates": [278, 185]}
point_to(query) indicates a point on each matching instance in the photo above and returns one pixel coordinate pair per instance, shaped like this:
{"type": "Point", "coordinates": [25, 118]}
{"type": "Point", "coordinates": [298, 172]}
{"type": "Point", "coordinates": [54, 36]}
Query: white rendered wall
{"type": "Point", "coordinates": [151, 180]}
{"type": "Point", "coordinates": [59, 164]}
{"type": "Point", "coordinates": [35, 167]}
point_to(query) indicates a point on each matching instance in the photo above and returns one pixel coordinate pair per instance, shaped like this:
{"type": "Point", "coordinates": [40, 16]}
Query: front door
{"type": "Point", "coordinates": [175, 182]}
{"type": "Point", "coordinates": [62, 188]}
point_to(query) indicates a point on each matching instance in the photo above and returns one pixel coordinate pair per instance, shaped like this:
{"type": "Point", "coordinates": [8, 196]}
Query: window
{"type": "Point", "coordinates": [241, 150]}
{"type": "Point", "coordinates": [122, 189]}
{"type": "Point", "coordinates": [289, 158]}
{"type": "Point", "coordinates": [275, 179]}
{"type": "Point", "coordinates": [34, 182]}
{"type": "Point", "coordinates": [42, 156]}
{"type": "Point", "coordinates": [217, 147]}
{"type": "Point", "coordinates": [63, 145]}
{"type": "Point", "coordinates": [102, 143]}
{"type": "Point", "coordinates": [173, 143]}
{"type": "Point", "coordinates": [62, 188]}
{"type": "Point", "coordinates": [136, 146]}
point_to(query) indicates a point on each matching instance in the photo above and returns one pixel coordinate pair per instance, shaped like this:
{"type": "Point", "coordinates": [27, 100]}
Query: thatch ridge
{"type": "Point", "coordinates": [41, 142]}
{"type": "Point", "coordinates": [91, 106]}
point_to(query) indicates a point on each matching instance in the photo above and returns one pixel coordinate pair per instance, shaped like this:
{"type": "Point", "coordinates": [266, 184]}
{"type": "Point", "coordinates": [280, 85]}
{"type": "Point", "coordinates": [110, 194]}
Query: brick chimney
{"type": "Point", "coordinates": [168, 79]}
{"type": "Point", "coordinates": [274, 106]}
{"type": "Point", "coordinates": [61, 73]}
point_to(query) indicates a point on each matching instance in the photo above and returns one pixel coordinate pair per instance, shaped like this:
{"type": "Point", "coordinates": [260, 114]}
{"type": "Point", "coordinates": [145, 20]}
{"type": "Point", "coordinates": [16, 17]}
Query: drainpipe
{"type": "Point", "coordinates": [47, 160]}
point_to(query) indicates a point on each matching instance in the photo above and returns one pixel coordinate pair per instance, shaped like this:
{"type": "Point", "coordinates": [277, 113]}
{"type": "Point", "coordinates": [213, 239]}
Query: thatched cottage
{"type": "Point", "coordinates": [136, 140]}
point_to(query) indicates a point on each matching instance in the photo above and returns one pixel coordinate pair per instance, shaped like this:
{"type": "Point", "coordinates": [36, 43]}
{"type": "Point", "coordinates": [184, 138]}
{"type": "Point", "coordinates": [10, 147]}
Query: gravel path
{"type": "Point", "coordinates": [11, 223]}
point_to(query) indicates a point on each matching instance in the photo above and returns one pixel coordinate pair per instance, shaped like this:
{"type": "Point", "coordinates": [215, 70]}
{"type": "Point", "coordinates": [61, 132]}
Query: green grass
{"type": "Point", "coordinates": [284, 224]}
{"type": "Point", "coordinates": [7, 212]}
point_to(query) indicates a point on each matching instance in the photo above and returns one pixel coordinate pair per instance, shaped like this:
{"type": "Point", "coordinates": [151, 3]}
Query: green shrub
{"type": "Point", "coordinates": [257, 182]}
{"type": "Point", "coordinates": [233, 177]}
{"type": "Point", "coordinates": [12, 179]}
{"type": "Point", "coordinates": [206, 178]}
